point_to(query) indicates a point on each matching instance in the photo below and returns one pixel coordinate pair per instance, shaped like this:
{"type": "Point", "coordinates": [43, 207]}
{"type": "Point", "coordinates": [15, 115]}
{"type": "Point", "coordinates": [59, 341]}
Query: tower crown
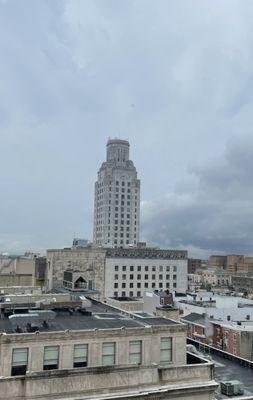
{"type": "Point", "coordinates": [117, 150]}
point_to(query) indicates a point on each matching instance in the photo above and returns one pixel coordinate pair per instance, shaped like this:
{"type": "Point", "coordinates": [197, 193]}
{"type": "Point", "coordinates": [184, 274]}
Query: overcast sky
{"type": "Point", "coordinates": [173, 77]}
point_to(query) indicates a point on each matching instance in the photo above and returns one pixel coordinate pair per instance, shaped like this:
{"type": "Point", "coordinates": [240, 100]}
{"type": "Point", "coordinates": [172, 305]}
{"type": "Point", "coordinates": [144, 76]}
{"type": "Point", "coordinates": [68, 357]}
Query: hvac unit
{"type": "Point", "coordinates": [231, 388]}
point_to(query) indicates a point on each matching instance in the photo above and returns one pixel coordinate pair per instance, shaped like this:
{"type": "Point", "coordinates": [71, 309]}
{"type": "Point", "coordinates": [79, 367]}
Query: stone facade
{"type": "Point", "coordinates": [89, 261]}
{"type": "Point", "coordinates": [152, 379]}
{"type": "Point", "coordinates": [117, 199]}
{"type": "Point", "coordinates": [144, 269]}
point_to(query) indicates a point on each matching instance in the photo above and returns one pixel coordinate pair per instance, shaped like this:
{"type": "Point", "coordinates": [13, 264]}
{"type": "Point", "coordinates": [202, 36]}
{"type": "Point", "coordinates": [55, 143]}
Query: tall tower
{"type": "Point", "coordinates": [117, 198]}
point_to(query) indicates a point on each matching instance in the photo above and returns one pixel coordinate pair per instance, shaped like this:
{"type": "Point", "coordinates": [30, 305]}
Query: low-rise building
{"type": "Point", "coordinates": [197, 327]}
{"type": "Point", "coordinates": [26, 270]}
{"type": "Point", "coordinates": [97, 352]}
{"type": "Point", "coordinates": [243, 283]}
{"type": "Point", "coordinates": [193, 265]}
{"type": "Point", "coordinates": [234, 337]}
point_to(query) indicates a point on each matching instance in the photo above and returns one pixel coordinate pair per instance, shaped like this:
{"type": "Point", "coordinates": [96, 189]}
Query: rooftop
{"type": "Point", "coordinates": [227, 370]}
{"type": "Point", "coordinates": [94, 316]}
{"type": "Point", "coordinates": [196, 318]}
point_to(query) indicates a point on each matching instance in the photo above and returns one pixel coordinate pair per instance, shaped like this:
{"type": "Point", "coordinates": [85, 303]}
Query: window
{"type": "Point", "coordinates": [131, 285]}
{"type": "Point", "coordinates": [161, 268]}
{"type": "Point", "coordinates": [146, 276]}
{"type": "Point", "coordinates": [139, 276]}
{"type": "Point", "coordinates": [123, 285]}
{"type": "Point", "coordinates": [153, 268]}
{"type": "Point", "coordinates": [19, 361]}
{"type": "Point", "coordinates": [138, 294]}
{"type": "Point", "coordinates": [160, 277]}
{"type": "Point", "coordinates": [115, 285]}
{"type": "Point", "coordinates": [108, 353]}
{"type": "Point", "coordinates": [139, 267]}
{"type": "Point", "coordinates": [116, 268]}
{"type": "Point", "coordinates": [116, 276]}
{"type": "Point", "coordinates": [166, 350]}
{"type": "Point", "coordinates": [168, 268]}
{"type": "Point", "coordinates": [135, 352]}
{"type": "Point", "coordinates": [124, 277]}
{"type": "Point", "coordinates": [175, 269]}
{"type": "Point", "coordinates": [131, 267]}
{"type": "Point", "coordinates": [174, 277]}
{"type": "Point", "coordinates": [160, 285]}
{"type": "Point", "coordinates": [153, 277]}
{"type": "Point", "coordinates": [115, 294]}
{"type": "Point", "coordinates": [51, 357]}
{"type": "Point", "coordinates": [123, 268]}
{"type": "Point", "coordinates": [146, 267]}
{"type": "Point", "coordinates": [131, 276]}
{"type": "Point", "coordinates": [131, 294]}
{"type": "Point", "coordinates": [146, 284]}
{"type": "Point", "coordinates": [80, 358]}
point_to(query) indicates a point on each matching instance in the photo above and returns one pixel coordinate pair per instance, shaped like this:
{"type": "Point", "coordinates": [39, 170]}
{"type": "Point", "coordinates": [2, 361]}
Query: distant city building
{"type": "Point", "coordinates": [232, 263]}
{"type": "Point", "coordinates": [193, 265]}
{"type": "Point", "coordinates": [26, 270]}
{"type": "Point", "coordinates": [217, 261]}
{"type": "Point", "coordinates": [243, 283]}
{"type": "Point", "coordinates": [80, 242]}
{"type": "Point", "coordinates": [117, 199]}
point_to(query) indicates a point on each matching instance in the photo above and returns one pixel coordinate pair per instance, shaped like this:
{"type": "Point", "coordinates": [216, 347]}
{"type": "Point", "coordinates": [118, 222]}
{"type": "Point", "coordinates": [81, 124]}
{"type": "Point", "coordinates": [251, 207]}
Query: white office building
{"type": "Point", "coordinates": [132, 272]}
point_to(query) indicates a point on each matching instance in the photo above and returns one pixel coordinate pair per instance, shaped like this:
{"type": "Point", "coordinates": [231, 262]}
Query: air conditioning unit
{"type": "Point", "coordinates": [231, 388]}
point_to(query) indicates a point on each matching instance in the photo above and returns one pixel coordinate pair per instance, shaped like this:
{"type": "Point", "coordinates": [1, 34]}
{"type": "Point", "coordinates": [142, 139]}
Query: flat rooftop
{"type": "Point", "coordinates": [97, 315]}
{"type": "Point", "coordinates": [228, 370]}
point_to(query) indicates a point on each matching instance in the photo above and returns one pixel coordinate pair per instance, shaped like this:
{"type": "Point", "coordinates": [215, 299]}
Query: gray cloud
{"type": "Point", "coordinates": [175, 78]}
{"type": "Point", "coordinates": [215, 214]}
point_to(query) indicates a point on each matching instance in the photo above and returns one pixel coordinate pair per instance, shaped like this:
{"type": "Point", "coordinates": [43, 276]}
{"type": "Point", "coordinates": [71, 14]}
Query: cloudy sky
{"type": "Point", "coordinates": [173, 77]}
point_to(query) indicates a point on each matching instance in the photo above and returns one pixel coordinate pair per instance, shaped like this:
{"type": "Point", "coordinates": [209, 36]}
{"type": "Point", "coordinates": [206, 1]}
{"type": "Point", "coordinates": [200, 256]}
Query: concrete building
{"type": "Point", "coordinates": [118, 272]}
{"type": "Point", "coordinates": [243, 283]}
{"type": "Point", "coordinates": [131, 272]}
{"type": "Point", "coordinates": [117, 199]}
{"type": "Point", "coordinates": [26, 270]}
{"type": "Point", "coordinates": [194, 281]}
{"type": "Point", "coordinates": [217, 261]}
{"type": "Point", "coordinates": [88, 261]}
{"type": "Point", "coordinates": [232, 263]}
{"type": "Point", "coordinates": [98, 352]}
{"type": "Point", "coordinates": [193, 265]}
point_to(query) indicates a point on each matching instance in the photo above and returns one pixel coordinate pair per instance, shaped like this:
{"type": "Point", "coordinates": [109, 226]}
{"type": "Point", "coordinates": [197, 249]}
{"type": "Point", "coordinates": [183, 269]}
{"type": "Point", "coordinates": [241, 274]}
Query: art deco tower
{"type": "Point", "coordinates": [117, 198]}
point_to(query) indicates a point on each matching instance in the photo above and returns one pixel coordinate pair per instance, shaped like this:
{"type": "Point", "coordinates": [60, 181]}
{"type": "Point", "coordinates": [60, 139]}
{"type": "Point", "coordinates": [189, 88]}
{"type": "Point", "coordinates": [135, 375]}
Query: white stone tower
{"type": "Point", "coordinates": [117, 199]}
